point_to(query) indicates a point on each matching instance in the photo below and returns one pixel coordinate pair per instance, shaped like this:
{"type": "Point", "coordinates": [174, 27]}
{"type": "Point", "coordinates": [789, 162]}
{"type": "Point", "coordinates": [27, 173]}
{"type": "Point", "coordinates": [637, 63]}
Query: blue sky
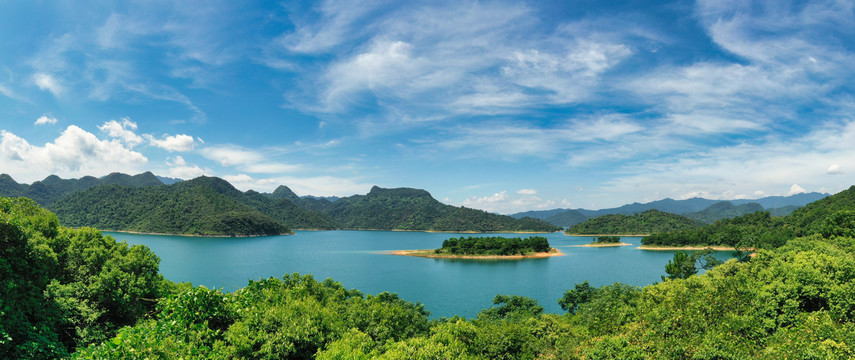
{"type": "Point", "coordinates": [502, 106]}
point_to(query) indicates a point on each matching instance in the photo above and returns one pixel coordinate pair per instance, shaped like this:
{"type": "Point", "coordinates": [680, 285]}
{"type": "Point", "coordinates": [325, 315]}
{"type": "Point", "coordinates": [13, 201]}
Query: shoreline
{"type": "Point", "coordinates": [627, 235]}
{"type": "Point", "coordinates": [687, 247]}
{"type": "Point", "coordinates": [596, 245]}
{"type": "Point", "coordinates": [428, 253]}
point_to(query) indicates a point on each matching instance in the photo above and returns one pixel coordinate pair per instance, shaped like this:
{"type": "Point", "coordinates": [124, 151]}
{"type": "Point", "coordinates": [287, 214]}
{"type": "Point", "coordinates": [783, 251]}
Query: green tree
{"type": "Point", "coordinates": [580, 294]}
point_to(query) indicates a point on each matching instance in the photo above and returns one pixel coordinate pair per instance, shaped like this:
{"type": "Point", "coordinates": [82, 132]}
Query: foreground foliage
{"type": "Point", "coordinates": [74, 288]}
{"type": "Point", "coordinates": [63, 288]}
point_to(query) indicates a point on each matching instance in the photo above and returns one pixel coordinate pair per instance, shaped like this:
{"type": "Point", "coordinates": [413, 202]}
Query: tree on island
{"type": "Point", "coordinates": [495, 245]}
{"type": "Point", "coordinates": [607, 240]}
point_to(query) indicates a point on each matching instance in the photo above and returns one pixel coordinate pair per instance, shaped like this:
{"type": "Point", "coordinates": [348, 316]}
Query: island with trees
{"type": "Point", "coordinates": [605, 241]}
{"type": "Point", "coordinates": [483, 247]}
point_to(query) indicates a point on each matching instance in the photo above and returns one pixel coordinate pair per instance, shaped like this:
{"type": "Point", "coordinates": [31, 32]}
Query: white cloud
{"type": "Point", "coordinates": [123, 131]}
{"type": "Point", "coordinates": [179, 168]}
{"type": "Point", "coordinates": [503, 203]}
{"type": "Point", "coordinates": [75, 153]}
{"type": "Point", "coordinates": [248, 160]}
{"type": "Point", "coordinates": [172, 143]}
{"type": "Point", "coordinates": [311, 185]}
{"type": "Point", "coordinates": [45, 119]}
{"type": "Point", "coordinates": [49, 83]}
{"type": "Point", "coordinates": [834, 169]}
{"type": "Point", "coordinates": [796, 189]}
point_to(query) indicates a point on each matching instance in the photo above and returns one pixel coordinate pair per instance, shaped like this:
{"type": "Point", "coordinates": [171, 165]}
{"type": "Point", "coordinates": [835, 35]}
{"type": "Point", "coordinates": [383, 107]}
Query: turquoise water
{"type": "Point", "coordinates": [356, 259]}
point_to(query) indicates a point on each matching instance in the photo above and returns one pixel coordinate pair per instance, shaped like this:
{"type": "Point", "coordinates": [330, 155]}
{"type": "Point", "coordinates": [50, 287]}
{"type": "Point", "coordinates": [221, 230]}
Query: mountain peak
{"type": "Point", "coordinates": [283, 192]}
{"type": "Point", "coordinates": [377, 191]}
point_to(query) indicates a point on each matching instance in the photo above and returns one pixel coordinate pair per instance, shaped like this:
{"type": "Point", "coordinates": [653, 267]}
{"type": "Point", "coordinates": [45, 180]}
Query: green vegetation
{"type": "Point", "coordinates": [724, 210]}
{"type": "Point", "coordinates": [64, 288]}
{"type": "Point", "coordinates": [52, 188]}
{"type": "Point", "coordinates": [684, 265]}
{"type": "Point", "coordinates": [211, 206]}
{"type": "Point", "coordinates": [76, 291]}
{"type": "Point", "coordinates": [414, 209]}
{"type": "Point", "coordinates": [496, 245]}
{"type": "Point", "coordinates": [183, 208]}
{"type": "Point", "coordinates": [607, 240]}
{"type": "Point", "coordinates": [650, 221]}
{"type": "Point", "coordinates": [761, 230]}
{"type": "Point", "coordinates": [567, 218]}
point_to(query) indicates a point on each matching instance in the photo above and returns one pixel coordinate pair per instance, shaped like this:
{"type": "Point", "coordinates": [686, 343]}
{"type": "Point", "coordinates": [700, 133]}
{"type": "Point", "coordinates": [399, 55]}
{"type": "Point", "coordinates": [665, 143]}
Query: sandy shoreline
{"type": "Point", "coordinates": [595, 235]}
{"type": "Point", "coordinates": [671, 248]}
{"type": "Point", "coordinates": [603, 245]}
{"type": "Point", "coordinates": [430, 254]}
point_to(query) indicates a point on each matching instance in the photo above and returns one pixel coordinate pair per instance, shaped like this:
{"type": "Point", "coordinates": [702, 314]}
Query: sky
{"type": "Point", "coordinates": [494, 105]}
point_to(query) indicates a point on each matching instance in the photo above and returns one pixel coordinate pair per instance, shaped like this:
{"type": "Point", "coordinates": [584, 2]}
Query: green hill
{"type": "Point", "coordinates": [184, 208]}
{"type": "Point", "coordinates": [53, 188]}
{"type": "Point", "coordinates": [762, 230]}
{"type": "Point", "coordinates": [723, 210]}
{"type": "Point", "coordinates": [567, 218]}
{"type": "Point", "coordinates": [212, 206]}
{"type": "Point", "coordinates": [648, 222]}
{"type": "Point", "coordinates": [415, 209]}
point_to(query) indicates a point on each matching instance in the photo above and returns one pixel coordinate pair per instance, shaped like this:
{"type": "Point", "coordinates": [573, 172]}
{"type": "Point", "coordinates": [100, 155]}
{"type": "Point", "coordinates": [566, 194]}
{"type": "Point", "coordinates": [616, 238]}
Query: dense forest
{"type": "Point", "coordinates": [723, 210]}
{"type": "Point", "coordinates": [494, 245]}
{"type": "Point", "coordinates": [650, 221]}
{"type": "Point", "coordinates": [78, 293]}
{"type": "Point", "coordinates": [761, 230]}
{"type": "Point", "coordinates": [607, 240]}
{"type": "Point", "coordinates": [212, 206]}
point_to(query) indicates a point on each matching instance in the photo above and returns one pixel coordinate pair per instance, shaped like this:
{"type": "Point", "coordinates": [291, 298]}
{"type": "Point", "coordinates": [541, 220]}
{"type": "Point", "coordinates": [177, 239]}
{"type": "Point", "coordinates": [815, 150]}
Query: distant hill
{"type": "Point", "coordinates": [761, 230]}
{"type": "Point", "coordinates": [53, 188]}
{"type": "Point", "coordinates": [415, 209]}
{"type": "Point", "coordinates": [648, 222]}
{"type": "Point", "coordinates": [567, 218]}
{"type": "Point", "coordinates": [723, 210]}
{"type": "Point", "coordinates": [682, 207]}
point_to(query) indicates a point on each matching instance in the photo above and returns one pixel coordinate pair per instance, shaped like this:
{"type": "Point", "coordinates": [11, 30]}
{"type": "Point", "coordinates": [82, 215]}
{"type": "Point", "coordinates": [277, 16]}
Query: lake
{"type": "Point", "coordinates": [356, 259]}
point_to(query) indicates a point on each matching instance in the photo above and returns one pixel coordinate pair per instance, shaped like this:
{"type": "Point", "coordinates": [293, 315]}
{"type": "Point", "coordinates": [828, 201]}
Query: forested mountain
{"type": "Point", "coordinates": [723, 210]}
{"type": "Point", "coordinates": [52, 188]}
{"type": "Point", "coordinates": [184, 208]}
{"type": "Point", "coordinates": [212, 206]}
{"type": "Point", "coordinates": [415, 209]}
{"type": "Point", "coordinates": [648, 222]}
{"type": "Point", "coordinates": [567, 218]}
{"type": "Point", "coordinates": [764, 231]}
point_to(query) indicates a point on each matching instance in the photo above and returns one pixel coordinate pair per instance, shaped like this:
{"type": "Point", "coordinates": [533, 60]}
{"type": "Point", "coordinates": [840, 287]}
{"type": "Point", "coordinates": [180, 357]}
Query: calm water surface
{"type": "Point", "coordinates": [356, 259]}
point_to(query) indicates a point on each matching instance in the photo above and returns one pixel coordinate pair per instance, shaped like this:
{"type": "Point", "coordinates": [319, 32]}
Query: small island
{"type": "Point", "coordinates": [495, 247]}
{"type": "Point", "coordinates": [605, 241]}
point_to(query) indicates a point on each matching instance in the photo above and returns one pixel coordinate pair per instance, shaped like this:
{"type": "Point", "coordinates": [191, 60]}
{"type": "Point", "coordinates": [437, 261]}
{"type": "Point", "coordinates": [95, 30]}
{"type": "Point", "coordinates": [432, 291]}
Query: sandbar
{"type": "Point", "coordinates": [430, 254]}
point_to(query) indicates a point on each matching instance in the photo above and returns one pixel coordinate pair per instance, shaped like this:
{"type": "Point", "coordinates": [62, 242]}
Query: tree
{"type": "Point", "coordinates": [684, 265]}
{"type": "Point", "coordinates": [511, 307]}
{"type": "Point", "coordinates": [582, 293]}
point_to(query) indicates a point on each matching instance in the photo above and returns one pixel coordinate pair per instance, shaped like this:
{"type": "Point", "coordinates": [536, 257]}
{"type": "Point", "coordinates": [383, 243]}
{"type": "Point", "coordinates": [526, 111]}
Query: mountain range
{"type": "Point", "coordinates": [212, 206]}
{"type": "Point", "coordinates": [699, 209]}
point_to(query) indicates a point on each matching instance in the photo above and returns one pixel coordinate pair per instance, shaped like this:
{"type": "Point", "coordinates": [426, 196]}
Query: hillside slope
{"type": "Point", "coordinates": [650, 221]}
